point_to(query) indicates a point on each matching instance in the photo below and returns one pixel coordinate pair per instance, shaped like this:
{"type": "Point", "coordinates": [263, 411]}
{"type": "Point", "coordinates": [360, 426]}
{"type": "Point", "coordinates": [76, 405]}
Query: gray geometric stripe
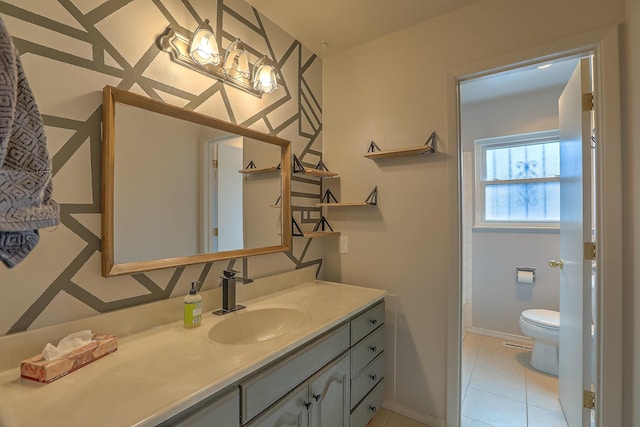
{"type": "Point", "coordinates": [128, 75]}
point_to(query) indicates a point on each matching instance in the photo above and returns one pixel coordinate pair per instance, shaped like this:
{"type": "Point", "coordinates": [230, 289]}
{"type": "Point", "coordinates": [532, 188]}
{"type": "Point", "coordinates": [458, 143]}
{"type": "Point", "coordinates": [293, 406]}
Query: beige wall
{"type": "Point", "coordinates": [631, 179]}
{"type": "Point", "coordinates": [397, 99]}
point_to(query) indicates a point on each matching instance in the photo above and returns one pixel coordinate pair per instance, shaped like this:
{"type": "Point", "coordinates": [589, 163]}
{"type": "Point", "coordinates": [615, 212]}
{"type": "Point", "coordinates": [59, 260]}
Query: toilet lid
{"type": "Point", "coordinates": [542, 317]}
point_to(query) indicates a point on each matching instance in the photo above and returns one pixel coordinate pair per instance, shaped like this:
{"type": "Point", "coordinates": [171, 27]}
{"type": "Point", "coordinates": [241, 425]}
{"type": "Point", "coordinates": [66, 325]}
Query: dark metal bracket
{"type": "Point", "coordinates": [372, 198]}
{"type": "Point", "coordinates": [431, 142]}
{"type": "Point", "coordinates": [295, 228]}
{"type": "Point", "coordinates": [251, 165]}
{"type": "Point", "coordinates": [297, 166]}
{"type": "Point", "coordinates": [322, 224]}
{"type": "Point", "coordinates": [328, 197]}
{"type": "Point", "coordinates": [373, 147]}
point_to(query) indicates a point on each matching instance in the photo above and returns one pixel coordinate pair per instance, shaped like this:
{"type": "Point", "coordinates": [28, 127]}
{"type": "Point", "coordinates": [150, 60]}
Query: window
{"type": "Point", "coordinates": [518, 180]}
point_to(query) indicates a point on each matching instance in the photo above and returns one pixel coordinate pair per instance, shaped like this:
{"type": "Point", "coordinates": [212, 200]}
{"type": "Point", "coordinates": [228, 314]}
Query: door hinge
{"type": "Point", "coordinates": [214, 232]}
{"type": "Point", "coordinates": [590, 251]}
{"type": "Point", "coordinates": [587, 101]}
{"type": "Point", "coordinates": [214, 163]}
{"type": "Point", "coordinates": [588, 399]}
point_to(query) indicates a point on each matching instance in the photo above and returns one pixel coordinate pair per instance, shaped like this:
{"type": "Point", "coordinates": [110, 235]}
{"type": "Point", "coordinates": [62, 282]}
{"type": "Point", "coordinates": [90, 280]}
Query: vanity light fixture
{"type": "Point", "coordinates": [264, 75]}
{"type": "Point", "coordinates": [236, 64]}
{"type": "Point", "coordinates": [199, 51]}
{"type": "Point", "coordinates": [203, 48]}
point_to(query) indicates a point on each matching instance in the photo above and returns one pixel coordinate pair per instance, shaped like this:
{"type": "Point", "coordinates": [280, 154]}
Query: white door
{"type": "Point", "coordinates": [229, 200]}
{"type": "Point", "coordinates": [575, 230]}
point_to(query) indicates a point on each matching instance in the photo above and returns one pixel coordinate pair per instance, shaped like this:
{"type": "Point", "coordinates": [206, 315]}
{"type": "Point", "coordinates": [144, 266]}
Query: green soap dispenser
{"type": "Point", "coordinates": [192, 308]}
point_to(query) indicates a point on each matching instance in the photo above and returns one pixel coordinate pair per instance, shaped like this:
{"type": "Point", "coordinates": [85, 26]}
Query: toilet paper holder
{"type": "Point", "coordinates": [521, 273]}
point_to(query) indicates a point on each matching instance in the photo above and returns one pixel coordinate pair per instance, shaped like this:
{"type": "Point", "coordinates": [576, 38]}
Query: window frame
{"type": "Point", "coordinates": [480, 147]}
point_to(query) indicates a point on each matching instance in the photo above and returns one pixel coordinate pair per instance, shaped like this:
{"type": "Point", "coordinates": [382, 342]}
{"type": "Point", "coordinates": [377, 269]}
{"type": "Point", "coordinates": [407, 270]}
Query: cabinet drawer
{"type": "Point", "coordinates": [370, 376]}
{"type": "Point", "coordinates": [365, 323]}
{"type": "Point", "coordinates": [368, 407]}
{"type": "Point", "coordinates": [219, 410]}
{"type": "Point", "coordinates": [263, 389]}
{"type": "Point", "coordinates": [366, 350]}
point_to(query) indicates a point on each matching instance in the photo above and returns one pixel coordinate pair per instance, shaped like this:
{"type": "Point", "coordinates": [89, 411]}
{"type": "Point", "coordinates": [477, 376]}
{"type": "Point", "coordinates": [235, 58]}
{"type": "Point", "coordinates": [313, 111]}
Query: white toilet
{"type": "Point", "coordinates": [544, 327]}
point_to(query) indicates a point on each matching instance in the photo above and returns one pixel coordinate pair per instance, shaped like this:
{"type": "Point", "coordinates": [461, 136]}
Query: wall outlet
{"type": "Point", "coordinates": [344, 245]}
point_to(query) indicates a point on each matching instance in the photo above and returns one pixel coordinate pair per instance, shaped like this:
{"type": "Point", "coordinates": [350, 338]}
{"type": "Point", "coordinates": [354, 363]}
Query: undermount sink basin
{"type": "Point", "coordinates": [254, 326]}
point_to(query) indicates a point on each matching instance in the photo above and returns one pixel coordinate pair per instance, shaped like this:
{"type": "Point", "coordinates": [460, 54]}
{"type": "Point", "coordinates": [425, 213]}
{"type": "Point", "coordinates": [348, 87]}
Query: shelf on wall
{"type": "Point", "coordinates": [320, 171]}
{"type": "Point", "coordinates": [330, 200]}
{"type": "Point", "coordinates": [375, 152]}
{"type": "Point", "coordinates": [320, 229]}
{"type": "Point", "coordinates": [252, 169]}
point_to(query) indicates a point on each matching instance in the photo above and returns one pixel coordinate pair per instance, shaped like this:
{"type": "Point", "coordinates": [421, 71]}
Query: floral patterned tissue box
{"type": "Point", "coordinates": [37, 368]}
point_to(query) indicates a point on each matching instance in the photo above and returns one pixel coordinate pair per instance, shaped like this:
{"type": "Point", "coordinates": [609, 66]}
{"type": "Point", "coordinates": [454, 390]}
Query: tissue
{"type": "Point", "coordinates": [66, 345]}
{"type": "Point", "coordinates": [72, 352]}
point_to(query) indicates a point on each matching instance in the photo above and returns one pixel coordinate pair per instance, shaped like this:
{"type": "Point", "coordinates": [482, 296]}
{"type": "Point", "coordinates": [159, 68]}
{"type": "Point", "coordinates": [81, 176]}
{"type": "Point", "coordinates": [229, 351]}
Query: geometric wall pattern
{"type": "Point", "coordinates": [70, 50]}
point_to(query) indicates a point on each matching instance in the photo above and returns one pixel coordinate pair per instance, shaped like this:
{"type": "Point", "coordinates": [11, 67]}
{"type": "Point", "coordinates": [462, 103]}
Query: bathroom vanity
{"type": "Point", "coordinates": [303, 352]}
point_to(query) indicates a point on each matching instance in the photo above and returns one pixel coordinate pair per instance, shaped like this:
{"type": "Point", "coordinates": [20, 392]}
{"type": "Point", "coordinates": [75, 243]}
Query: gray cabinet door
{"type": "Point", "coordinates": [329, 395]}
{"type": "Point", "coordinates": [219, 411]}
{"type": "Point", "coordinates": [290, 411]}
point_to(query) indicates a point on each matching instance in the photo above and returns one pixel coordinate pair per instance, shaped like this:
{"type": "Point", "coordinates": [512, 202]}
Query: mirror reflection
{"type": "Point", "coordinates": [183, 188]}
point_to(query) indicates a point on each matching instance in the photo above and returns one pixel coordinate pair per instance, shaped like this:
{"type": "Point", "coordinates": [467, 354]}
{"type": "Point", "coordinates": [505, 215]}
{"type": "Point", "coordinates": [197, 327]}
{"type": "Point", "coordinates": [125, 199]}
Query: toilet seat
{"type": "Point", "coordinates": [547, 319]}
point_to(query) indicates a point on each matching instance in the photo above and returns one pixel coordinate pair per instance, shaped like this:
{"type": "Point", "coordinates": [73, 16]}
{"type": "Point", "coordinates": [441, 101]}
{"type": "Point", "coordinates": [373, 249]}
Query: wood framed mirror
{"type": "Point", "coordinates": [181, 188]}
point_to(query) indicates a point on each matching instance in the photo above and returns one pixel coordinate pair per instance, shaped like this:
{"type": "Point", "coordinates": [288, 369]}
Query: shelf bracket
{"type": "Point", "coordinates": [297, 166]}
{"type": "Point", "coordinates": [295, 228]}
{"type": "Point", "coordinates": [373, 147]}
{"type": "Point", "coordinates": [321, 167]}
{"type": "Point", "coordinates": [372, 198]}
{"type": "Point", "coordinates": [431, 142]}
{"type": "Point", "coordinates": [251, 165]}
{"type": "Point", "coordinates": [328, 197]}
{"type": "Point", "coordinates": [278, 200]}
{"type": "Point", "coordinates": [322, 224]}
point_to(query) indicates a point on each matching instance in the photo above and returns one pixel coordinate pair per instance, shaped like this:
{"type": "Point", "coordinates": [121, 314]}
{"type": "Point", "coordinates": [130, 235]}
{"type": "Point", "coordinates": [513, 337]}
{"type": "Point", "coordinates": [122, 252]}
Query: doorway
{"type": "Point", "coordinates": [510, 221]}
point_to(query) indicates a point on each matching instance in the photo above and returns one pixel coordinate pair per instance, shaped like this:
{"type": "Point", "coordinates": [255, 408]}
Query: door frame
{"type": "Point", "coordinates": [604, 44]}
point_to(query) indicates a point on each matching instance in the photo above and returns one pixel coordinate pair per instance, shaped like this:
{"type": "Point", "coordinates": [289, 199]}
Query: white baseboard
{"type": "Point", "coordinates": [501, 335]}
{"type": "Point", "coordinates": [423, 418]}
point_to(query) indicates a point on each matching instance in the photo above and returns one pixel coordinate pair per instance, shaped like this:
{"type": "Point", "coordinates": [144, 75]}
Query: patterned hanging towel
{"type": "Point", "coordinates": [25, 168]}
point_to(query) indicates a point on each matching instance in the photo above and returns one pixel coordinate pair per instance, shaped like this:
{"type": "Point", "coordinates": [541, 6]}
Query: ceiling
{"type": "Point", "coordinates": [519, 80]}
{"type": "Point", "coordinates": [330, 26]}
{"type": "Point", "coordinates": [327, 27]}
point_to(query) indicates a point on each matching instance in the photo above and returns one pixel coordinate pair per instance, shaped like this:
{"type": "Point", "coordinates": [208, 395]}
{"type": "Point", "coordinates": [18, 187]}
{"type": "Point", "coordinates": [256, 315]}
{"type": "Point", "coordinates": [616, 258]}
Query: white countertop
{"type": "Point", "coordinates": [159, 372]}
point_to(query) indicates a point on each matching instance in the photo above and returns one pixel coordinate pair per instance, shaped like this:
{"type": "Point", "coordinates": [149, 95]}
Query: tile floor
{"type": "Point", "coordinates": [500, 388]}
{"type": "Point", "coordinates": [386, 418]}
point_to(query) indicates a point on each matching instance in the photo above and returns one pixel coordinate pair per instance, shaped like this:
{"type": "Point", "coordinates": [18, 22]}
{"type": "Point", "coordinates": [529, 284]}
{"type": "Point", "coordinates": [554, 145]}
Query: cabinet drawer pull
{"type": "Point", "coordinates": [374, 322]}
{"type": "Point", "coordinates": [307, 405]}
{"type": "Point", "coordinates": [373, 348]}
{"type": "Point", "coordinates": [373, 377]}
{"type": "Point", "coordinates": [373, 408]}
{"type": "Point", "coordinates": [317, 397]}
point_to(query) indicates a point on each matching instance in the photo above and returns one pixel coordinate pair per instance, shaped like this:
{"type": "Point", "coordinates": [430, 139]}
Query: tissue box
{"type": "Point", "coordinates": [37, 368]}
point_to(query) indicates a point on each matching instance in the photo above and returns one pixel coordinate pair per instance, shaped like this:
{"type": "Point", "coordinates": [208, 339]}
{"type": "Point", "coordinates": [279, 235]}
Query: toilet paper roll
{"type": "Point", "coordinates": [525, 276]}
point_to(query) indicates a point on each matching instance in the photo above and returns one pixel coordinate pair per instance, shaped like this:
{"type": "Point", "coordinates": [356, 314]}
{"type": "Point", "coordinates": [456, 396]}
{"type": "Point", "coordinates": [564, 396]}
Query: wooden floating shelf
{"type": "Point", "coordinates": [345, 204]}
{"type": "Point", "coordinates": [259, 171]}
{"type": "Point", "coordinates": [320, 233]}
{"type": "Point", "coordinates": [400, 152]}
{"type": "Point", "coordinates": [318, 173]}
{"type": "Point", "coordinates": [330, 200]}
{"type": "Point", "coordinates": [375, 152]}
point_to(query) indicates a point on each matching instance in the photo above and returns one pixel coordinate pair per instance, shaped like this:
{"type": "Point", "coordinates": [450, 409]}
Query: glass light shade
{"type": "Point", "coordinates": [264, 76]}
{"type": "Point", "coordinates": [204, 49]}
{"type": "Point", "coordinates": [236, 63]}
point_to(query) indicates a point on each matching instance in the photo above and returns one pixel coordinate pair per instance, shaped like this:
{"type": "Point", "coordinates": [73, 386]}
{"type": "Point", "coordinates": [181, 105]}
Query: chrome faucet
{"type": "Point", "coordinates": [229, 279]}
